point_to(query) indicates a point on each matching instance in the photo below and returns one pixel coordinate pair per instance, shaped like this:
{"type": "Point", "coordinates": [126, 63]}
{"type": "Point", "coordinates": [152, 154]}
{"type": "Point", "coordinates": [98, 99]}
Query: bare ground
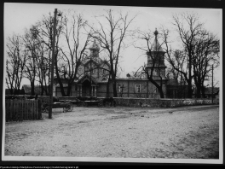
{"type": "Point", "coordinates": [188, 132]}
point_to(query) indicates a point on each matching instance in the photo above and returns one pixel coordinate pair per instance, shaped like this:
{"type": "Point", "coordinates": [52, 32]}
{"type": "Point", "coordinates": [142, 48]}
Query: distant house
{"type": "Point", "coordinates": [209, 94]}
{"type": "Point", "coordinates": [27, 89]}
{"type": "Point", "coordinates": [14, 92]}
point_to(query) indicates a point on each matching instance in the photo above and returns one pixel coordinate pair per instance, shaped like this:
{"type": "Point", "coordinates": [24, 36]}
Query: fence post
{"type": "Point", "coordinates": [33, 105]}
{"type": "Point", "coordinates": [14, 110]}
{"type": "Point", "coordinates": [35, 111]}
{"type": "Point", "coordinates": [7, 110]}
{"type": "Point", "coordinates": [22, 102]}
{"type": "Point", "coordinates": [11, 109]}
{"type": "Point", "coordinates": [26, 110]}
{"type": "Point", "coordinates": [39, 109]}
{"type": "Point", "coordinates": [28, 114]}
{"type": "Point", "coordinates": [21, 110]}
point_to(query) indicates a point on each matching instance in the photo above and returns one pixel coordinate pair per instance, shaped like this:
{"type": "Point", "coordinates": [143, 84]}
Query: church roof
{"type": "Point", "coordinates": [95, 80]}
{"type": "Point", "coordinates": [97, 60]}
{"type": "Point", "coordinates": [156, 47]}
{"type": "Point", "coordinates": [87, 77]}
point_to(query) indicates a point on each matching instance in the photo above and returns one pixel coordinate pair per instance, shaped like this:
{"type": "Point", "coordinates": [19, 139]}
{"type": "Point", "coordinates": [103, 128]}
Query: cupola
{"type": "Point", "coordinates": [94, 49]}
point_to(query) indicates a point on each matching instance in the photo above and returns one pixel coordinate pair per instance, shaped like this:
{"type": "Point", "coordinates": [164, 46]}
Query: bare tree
{"type": "Point", "coordinates": [15, 63]}
{"type": "Point", "coordinates": [45, 28]}
{"type": "Point", "coordinates": [32, 44]}
{"type": "Point", "coordinates": [199, 49]}
{"type": "Point", "coordinates": [111, 35]}
{"type": "Point", "coordinates": [188, 28]}
{"type": "Point", "coordinates": [43, 69]}
{"type": "Point", "coordinates": [177, 60]}
{"type": "Point", "coordinates": [154, 69]}
{"type": "Point", "coordinates": [42, 59]}
{"type": "Point", "coordinates": [77, 40]}
{"type": "Point", "coordinates": [205, 54]}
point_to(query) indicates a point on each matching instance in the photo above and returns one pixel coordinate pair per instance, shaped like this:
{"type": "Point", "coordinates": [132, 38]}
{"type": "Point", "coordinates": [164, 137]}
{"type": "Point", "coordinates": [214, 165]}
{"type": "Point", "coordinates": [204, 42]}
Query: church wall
{"type": "Point", "coordinates": [130, 89]}
{"type": "Point", "coordinates": [137, 88]}
{"type": "Point", "coordinates": [101, 90]}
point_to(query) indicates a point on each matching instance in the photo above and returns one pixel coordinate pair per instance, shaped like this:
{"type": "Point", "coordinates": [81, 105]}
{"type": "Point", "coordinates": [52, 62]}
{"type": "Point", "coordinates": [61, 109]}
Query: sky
{"type": "Point", "coordinates": [19, 16]}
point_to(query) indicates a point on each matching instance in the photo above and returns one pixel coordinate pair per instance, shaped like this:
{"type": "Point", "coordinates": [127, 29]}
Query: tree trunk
{"type": "Point", "coordinates": [69, 86]}
{"type": "Point", "coordinates": [58, 77]}
{"type": "Point", "coordinates": [161, 92]}
{"type": "Point", "coordinates": [159, 87]}
{"type": "Point", "coordinates": [45, 88]}
{"type": "Point", "coordinates": [42, 89]}
{"type": "Point", "coordinates": [107, 87]}
{"type": "Point", "coordinates": [61, 86]}
{"type": "Point", "coordinates": [11, 91]}
{"type": "Point", "coordinates": [114, 86]}
{"type": "Point", "coordinates": [32, 87]}
{"type": "Point", "coordinates": [189, 89]}
{"type": "Point", "coordinates": [198, 92]}
{"type": "Point", "coordinates": [203, 91]}
{"type": "Point", "coordinates": [114, 89]}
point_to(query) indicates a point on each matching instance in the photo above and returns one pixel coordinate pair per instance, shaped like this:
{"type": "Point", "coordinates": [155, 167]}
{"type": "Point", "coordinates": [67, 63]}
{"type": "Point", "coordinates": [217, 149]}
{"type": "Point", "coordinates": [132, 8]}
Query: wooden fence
{"type": "Point", "coordinates": [19, 110]}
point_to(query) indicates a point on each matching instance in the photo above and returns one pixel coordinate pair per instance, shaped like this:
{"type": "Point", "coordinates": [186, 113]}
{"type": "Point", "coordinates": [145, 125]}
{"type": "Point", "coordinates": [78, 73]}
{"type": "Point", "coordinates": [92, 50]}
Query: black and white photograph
{"type": "Point", "coordinates": [104, 83]}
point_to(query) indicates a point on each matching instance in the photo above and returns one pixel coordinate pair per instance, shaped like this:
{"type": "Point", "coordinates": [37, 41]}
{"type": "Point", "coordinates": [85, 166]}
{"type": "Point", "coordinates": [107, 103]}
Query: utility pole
{"type": "Point", "coordinates": [52, 66]}
{"type": "Point", "coordinates": [212, 84]}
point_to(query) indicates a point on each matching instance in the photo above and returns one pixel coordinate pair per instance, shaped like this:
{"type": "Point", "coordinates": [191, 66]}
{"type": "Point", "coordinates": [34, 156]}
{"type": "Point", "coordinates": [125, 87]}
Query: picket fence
{"type": "Point", "coordinates": [19, 110]}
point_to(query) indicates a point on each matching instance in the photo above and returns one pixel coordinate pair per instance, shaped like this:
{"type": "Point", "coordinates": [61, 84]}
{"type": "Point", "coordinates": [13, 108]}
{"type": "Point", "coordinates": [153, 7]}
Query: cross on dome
{"type": "Point", "coordinates": [156, 32]}
{"type": "Point", "coordinates": [155, 45]}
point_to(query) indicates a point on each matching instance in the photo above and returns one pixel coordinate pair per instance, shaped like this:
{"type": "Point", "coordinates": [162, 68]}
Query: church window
{"type": "Point", "coordinates": [119, 88]}
{"type": "Point", "coordinates": [138, 88]}
{"type": "Point", "coordinates": [156, 90]}
{"type": "Point", "coordinates": [93, 70]}
{"type": "Point", "coordinates": [155, 72]}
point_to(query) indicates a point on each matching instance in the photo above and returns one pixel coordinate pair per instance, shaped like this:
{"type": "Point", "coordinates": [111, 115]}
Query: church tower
{"type": "Point", "coordinates": [94, 49]}
{"type": "Point", "coordinates": [155, 58]}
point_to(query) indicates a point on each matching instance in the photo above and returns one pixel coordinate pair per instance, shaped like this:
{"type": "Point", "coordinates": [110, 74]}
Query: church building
{"type": "Point", "coordinates": [93, 76]}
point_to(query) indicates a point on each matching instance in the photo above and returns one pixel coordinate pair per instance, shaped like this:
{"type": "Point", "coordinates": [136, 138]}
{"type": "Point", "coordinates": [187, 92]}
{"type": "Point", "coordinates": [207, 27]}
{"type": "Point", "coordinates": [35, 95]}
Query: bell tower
{"type": "Point", "coordinates": [155, 57]}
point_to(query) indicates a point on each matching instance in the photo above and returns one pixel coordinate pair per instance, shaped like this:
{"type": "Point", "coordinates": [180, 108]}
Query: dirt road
{"type": "Point", "coordinates": [184, 133]}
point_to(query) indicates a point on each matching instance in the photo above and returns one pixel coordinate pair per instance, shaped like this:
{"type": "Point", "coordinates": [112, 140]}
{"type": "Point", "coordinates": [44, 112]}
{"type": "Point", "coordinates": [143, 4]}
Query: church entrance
{"type": "Point", "coordinates": [86, 88]}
